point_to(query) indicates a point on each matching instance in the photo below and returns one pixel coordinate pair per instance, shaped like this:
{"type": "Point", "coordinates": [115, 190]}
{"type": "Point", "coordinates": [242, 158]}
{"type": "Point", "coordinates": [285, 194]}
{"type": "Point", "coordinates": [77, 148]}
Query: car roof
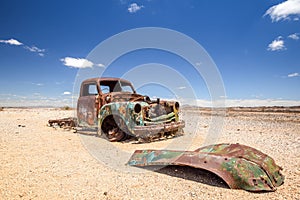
{"type": "Point", "coordinates": [106, 79]}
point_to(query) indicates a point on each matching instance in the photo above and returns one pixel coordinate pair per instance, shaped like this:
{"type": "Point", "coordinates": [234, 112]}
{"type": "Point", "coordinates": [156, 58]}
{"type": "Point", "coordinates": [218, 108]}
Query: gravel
{"type": "Point", "coordinates": [40, 162]}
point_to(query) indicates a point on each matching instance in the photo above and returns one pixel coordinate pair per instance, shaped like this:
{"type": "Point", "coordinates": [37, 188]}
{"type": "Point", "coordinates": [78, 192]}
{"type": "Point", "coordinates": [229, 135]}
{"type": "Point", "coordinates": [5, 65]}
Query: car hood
{"type": "Point", "coordinates": [125, 96]}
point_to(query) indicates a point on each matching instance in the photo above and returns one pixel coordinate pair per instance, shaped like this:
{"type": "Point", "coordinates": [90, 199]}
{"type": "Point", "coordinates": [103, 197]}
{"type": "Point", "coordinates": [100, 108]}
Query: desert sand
{"type": "Point", "coordinates": [41, 162]}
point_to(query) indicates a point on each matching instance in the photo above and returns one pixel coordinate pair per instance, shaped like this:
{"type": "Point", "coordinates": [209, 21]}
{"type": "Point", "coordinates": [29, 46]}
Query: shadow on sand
{"type": "Point", "coordinates": [190, 173]}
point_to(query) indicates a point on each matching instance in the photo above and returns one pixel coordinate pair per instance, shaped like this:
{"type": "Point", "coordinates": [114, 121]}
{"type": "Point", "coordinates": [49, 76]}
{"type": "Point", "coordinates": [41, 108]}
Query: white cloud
{"type": "Point", "coordinates": [38, 84]}
{"type": "Point", "coordinates": [77, 62]}
{"type": "Point", "coordinates": [276, 45]}
{"type": "Point", "coordinates": [181, 87]}
{"type": "Point", "coordinates": [66, 93]}
{"type": "Point", "coordinates": [227, 102]}
{"type": "Point", "coordinates": [283, 10]}
{"type": "Point", "coordinates": [294, 36]}
{"type": "Point", "coordinates": [36, 50]}
{"type": "Point", "coordinates": [133, 8]}
{"type": "Point", "coordinates": [293, 75]}
{"type": "Point", "coordinates": [260, 102]}
{"type": "Point", "coordinates": [100, 65]}
{"type": "Point", "coordinates": [241, 102]}
{"type": "Point", "coordinates": [198, 64]}
{"type": "Point", "coordinates": [11, 42]}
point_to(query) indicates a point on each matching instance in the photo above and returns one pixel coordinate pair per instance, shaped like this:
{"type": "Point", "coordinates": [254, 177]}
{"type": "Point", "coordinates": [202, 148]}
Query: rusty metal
{"type": "Point", "coordinates": [118, 114]}
{"type": "Point", "coordinates": [240, 166]}
{"type": "Point", "coordinates": [159, 131]}
{"type": "Point", "coordinates": [67, 123]}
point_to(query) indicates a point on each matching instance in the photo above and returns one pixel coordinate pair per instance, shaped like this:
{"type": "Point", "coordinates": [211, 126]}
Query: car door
{"type": "Point", "coordinates": [86, 105]}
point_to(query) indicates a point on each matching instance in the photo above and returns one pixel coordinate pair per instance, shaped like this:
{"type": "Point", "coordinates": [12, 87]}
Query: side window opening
{"type": "Point", "coordinates": [89, 89]}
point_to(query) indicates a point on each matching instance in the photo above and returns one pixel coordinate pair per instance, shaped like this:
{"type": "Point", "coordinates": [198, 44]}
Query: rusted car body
{"type": "Point", "coordinates": [113, 106]}
{"type": "Point", "coordinates": [67, 123]}
{"type": "Point", "coordinates": [240, 166]}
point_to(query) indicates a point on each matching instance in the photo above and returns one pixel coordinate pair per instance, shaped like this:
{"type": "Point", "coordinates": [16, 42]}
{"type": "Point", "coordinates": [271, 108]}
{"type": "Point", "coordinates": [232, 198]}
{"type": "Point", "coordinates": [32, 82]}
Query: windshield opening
{"type": "Point", "coordinates": [116, 86]}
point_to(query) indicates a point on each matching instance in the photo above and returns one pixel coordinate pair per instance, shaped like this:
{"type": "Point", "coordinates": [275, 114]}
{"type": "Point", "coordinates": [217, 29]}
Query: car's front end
{"type": "Point", "coordinates": [156, 119]}
{"type": "Point", "coordinates": [144, 119]}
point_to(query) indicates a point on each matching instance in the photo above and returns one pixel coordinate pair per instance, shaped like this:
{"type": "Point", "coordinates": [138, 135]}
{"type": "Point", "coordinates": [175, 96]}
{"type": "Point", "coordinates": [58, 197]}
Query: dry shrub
{"type": "Point", "coordinates": [66, 108]}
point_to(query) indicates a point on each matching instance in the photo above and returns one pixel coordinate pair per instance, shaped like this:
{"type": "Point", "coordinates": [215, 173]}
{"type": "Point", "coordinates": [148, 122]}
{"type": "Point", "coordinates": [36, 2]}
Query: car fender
{"type": "Point", "coordinates": [240, 166]}
{"type": "Point", "coordinates": [122, 109]}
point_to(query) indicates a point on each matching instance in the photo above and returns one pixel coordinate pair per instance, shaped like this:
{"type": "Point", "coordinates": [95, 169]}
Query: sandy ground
{"type": "Point", "coordinates": [40, 162]}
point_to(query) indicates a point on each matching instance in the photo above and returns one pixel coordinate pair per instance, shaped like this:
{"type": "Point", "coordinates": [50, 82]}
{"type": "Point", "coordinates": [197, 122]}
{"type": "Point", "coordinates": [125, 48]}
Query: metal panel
{"type": "Point", "coordinates": [240, 166]}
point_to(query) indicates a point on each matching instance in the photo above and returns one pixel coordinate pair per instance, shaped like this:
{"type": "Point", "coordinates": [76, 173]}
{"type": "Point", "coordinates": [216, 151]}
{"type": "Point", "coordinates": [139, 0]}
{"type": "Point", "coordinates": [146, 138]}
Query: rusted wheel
{"type": "Point", "coordinates": [116, 134]}
{"type": "Point", "coordinates": [114, 128]}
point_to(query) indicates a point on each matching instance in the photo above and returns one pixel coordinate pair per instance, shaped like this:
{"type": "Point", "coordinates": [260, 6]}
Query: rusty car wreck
{"type": "Point", "coordinates": [240, 166]}
{"type": "Point", "coordinates": [113, 106]}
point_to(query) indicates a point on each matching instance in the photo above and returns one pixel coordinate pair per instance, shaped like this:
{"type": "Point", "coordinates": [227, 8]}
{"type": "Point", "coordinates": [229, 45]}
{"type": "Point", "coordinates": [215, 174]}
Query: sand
{"type": "Point", "coordinates": [41, 162]}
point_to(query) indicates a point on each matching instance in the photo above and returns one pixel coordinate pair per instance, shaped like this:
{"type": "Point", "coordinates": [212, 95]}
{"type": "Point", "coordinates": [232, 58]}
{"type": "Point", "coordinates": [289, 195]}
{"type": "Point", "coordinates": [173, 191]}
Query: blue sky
{"type": "Point", "coordinates": [255, 45]}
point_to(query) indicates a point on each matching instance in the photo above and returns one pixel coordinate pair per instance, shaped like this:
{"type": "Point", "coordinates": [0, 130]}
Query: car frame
{"type": "Point", "coordinates": [113, 107]}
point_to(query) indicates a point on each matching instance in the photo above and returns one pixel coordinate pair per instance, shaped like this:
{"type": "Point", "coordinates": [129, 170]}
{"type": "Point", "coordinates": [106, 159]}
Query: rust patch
{"type": "Point", "coordinates": [67, 123]}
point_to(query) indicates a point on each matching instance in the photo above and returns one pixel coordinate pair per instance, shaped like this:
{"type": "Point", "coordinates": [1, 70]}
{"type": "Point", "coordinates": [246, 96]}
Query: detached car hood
{"type": "Point", "coordinates": [240, 166]}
